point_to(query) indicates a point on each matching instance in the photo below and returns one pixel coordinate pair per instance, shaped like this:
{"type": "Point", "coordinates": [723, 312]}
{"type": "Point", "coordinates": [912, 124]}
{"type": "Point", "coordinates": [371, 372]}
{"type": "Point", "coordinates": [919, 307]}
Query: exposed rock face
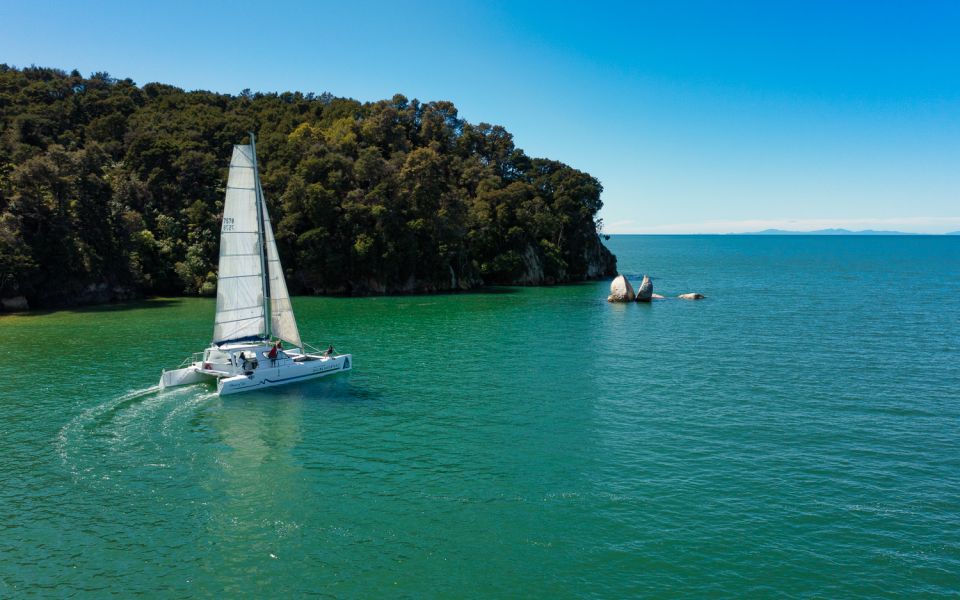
{"type": "Point", "coordinates": [691, 296]}
{"type": "Point", "coordinates": [595, 262]}
{"type": "Point", "coordinates": [469, 281]}
{"type": "Point", "coordinates": [645, 291]}
{"type": "Point", "coordinates": [621, 290]}
{"type": "Point", "coordinates": [15, 303]}
{"type": "Point", "coordinates": [532, 268]}
{"type": "Point", "coordinates": [372, 286]}
{"type": "Point", "coordinates": [123, 293]}
{"type": "Point", "coordinates": [93, 293]}
{"type": "Point", "coordinates": [600, 262]}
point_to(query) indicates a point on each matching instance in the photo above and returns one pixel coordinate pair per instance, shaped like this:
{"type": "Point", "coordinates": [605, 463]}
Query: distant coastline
{"type": "Point", "coordinates": [836, 232]}
{"type": "Point", "coordinates": [826, 232]}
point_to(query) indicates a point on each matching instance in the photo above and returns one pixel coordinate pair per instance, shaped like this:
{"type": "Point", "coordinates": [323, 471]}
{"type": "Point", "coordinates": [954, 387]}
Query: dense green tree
{"type": "Point", "coordinates": [108, 185]}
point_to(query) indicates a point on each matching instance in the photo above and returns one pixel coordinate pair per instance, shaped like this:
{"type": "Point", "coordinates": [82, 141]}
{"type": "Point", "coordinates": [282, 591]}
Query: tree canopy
{"type": "Point", "coordinates": [107, 185]}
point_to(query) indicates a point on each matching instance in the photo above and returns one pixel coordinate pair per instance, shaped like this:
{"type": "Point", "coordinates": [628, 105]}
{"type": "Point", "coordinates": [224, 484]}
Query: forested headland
{"type": "Point", "coordinates": [110, 191]}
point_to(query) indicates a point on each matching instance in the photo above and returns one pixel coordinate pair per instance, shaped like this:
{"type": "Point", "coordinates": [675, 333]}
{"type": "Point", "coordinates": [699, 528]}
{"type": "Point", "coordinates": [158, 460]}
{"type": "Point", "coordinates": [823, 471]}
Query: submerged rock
{"type": "Point", "coordinates": [645, 291]}
{"type": "Point", "coordinates": [657, 297]}
{"type": "Point", "coordinates": [691, 296]}
{"type": "Point", "coordinates": [621, 290]}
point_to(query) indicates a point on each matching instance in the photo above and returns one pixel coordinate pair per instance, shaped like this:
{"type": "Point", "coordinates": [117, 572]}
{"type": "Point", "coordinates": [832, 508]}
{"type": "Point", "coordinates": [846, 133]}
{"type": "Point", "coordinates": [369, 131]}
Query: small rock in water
{"type": "Point", "coordinates": [621, 290]}
{"type": "Point", "coordinates": [657, 297]}
{"type": "Point", "coordinates": [691, 296]}
{"type": "Point", "coordinates": [645, 291]}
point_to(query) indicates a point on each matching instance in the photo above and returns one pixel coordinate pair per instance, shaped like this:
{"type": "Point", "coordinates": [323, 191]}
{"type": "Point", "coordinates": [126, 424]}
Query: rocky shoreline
{"type": "Point", "coordinates": [597, 263]}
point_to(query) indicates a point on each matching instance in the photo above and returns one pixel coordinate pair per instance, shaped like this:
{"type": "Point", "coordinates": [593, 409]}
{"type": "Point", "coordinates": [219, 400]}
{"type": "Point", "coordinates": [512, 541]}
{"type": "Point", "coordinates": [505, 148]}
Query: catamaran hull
{"type": "Point", "coordinates": [264, 376]}
{"type": "Point", "coordinates": [295, 372]}
{"type": "Point", "coordinates": [186, 376]}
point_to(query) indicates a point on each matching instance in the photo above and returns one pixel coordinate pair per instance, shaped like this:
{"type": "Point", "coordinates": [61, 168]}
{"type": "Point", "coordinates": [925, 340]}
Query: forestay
{"type": "Point", "coordinates": [240, 302]}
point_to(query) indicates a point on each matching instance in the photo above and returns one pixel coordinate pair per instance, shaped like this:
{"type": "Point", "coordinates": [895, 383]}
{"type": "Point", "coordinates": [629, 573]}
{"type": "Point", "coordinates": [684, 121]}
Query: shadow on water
{"type": "Point", "coordinates": [340, 389]}
{"type": "Point", "coordinates": [168, 302]}
{"type": "Point", "coordinates": [343, 388]}
{"type": "Point", "coordinates": [99, 308]}
{"type": "Point", "coordinates": [346, 391]}
{"type": "Point", "coordinates": [586, 283]}
{"type": "Point", "coordinates": [149, 303]}
{"type": "Point", "coordinates": [492, 289]}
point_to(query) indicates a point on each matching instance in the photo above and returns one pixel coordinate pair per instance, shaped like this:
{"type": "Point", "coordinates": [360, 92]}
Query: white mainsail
{"type": "Point", "coordinates": [282, 322]}
{"type": "Point", "coordinates": [240, 285]}
{"type": "Point", "coordinates": [240, 288]}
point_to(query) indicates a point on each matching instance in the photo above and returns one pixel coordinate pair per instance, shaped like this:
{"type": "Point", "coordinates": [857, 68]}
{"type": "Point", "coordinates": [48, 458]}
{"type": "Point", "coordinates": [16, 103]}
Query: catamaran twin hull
{"type": "Point", "coordinates": [243, 368]}
{"type": "Point", "coordinates": [253, 303]}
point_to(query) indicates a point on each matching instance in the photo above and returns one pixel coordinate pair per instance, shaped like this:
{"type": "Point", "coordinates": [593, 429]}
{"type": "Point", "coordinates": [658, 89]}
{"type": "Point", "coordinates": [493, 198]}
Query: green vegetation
{"type": "Point", "coordinates": [108, 190]}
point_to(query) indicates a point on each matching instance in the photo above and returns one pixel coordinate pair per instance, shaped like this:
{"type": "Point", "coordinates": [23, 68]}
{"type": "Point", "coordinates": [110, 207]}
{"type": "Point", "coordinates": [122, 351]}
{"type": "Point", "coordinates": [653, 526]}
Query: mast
{"type": "Point", "coordinates": [265, 275]}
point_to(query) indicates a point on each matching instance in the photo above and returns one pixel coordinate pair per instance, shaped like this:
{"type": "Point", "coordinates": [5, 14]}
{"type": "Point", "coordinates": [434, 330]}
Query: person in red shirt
{"type": "Point", "coordinates": [272, 355]}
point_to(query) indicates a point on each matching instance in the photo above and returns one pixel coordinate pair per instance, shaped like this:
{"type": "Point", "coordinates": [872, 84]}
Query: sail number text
{"type": "Point", "coordinates": [227, 224]}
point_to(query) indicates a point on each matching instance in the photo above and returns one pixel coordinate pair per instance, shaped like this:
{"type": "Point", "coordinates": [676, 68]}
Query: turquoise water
{"type": "Point", "coordinates": [796, 434]}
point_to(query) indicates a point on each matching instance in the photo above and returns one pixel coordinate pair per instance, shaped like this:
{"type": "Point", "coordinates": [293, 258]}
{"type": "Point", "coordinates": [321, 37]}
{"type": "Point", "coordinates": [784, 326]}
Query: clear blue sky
{"type": "Point", "coordinates": [695, 116]}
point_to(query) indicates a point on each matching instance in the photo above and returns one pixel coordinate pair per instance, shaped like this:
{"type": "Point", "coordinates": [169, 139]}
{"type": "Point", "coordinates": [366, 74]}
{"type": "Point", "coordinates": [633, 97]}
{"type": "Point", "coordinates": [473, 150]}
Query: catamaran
{"type": "Point", "coordinates": [253, 306]}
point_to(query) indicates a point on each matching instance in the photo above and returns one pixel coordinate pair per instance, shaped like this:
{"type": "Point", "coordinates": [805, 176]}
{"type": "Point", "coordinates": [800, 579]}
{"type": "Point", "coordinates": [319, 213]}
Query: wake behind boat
{"type": "Point", "coordinates": [250, 286]}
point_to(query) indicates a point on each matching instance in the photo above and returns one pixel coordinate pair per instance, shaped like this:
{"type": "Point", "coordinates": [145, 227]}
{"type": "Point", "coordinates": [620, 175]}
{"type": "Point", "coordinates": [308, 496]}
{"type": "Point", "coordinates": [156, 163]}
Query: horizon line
{"type": "Point", "coordinates": [912, 225]}
{"type": "Point", "coordinates": [814, 232]}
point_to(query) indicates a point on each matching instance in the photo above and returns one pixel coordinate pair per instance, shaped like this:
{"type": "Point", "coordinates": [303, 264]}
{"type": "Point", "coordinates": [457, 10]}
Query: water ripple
{"type": "Point", "coordinates": [767, 441]}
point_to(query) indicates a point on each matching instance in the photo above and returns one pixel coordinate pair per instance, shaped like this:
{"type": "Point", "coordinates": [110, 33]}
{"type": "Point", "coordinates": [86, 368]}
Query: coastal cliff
{"type": "Point", "coordinates": [111, 191]}
{"type": "Point", "coordinates": [597, 262]}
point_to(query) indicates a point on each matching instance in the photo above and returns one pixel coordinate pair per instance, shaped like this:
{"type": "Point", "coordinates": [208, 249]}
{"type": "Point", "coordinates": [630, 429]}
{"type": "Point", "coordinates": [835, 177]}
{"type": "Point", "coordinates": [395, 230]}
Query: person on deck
{"type": "Point", "coordinates": [272, 355]}
{"type": "Point", "coordinates": [329, 351]}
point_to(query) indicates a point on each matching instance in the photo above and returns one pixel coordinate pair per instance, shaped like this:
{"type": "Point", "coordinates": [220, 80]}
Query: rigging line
{"type": "Point", "coordinates": [229, 310]}
{"type": "Point", "coordinates": [222, 277]}
{"type": "Point", "coordinates": [256, 317]}
{"type": "Point", "coordinates": [224, 319]}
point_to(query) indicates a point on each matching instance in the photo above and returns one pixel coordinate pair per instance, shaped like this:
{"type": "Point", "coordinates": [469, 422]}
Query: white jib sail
{"type": "Point", "coordinates": [282, 322]}
{"type": "Point", "coordinates": [240, 307]}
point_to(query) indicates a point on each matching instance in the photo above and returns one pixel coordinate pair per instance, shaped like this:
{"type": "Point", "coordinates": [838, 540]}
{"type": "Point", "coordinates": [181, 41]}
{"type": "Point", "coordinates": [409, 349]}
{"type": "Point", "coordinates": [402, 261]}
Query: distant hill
{"type": "Point", "coordinates": [952, 233]}
{"type": "Point", "coordinates": [825, 232]}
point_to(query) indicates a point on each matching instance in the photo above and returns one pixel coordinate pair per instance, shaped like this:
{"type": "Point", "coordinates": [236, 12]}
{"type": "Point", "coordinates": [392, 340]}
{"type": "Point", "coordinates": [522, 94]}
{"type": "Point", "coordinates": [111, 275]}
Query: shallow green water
{"type": "Point", "coordinates": [796, 434]}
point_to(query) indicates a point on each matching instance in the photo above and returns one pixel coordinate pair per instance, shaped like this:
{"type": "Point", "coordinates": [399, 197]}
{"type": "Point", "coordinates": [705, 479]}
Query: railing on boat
{"type": "Point", "coordinates": [305, 350]}
{"type": "Point", "coordinates": [193, 358]}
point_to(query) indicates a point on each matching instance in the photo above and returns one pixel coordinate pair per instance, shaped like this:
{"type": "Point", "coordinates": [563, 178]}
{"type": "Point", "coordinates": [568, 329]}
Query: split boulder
{"type": "Point", "coordinates": [645, 291]}
{"type": "Point", "coordinates": [621, 290]}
